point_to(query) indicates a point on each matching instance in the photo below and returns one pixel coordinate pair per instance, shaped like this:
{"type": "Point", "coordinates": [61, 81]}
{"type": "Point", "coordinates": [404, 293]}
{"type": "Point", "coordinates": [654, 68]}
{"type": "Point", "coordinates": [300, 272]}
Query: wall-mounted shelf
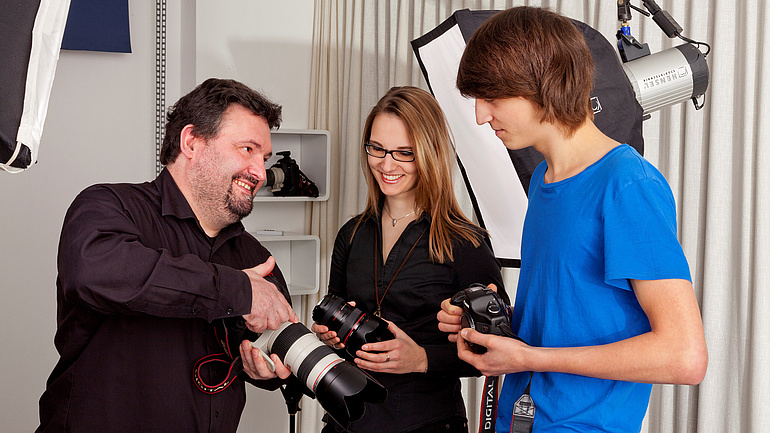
{"type": "Point", "coordinates": [298, 257]}
{"type": "Point", "coordinates": [310, 148]}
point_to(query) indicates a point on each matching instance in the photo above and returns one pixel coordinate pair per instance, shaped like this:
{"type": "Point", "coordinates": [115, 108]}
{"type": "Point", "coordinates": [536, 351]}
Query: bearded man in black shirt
{"type": "Point", "coordinates": [144, 269]}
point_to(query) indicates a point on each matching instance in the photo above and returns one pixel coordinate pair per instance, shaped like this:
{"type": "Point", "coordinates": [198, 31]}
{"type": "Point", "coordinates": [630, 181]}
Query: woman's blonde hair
{"type": "Point", "coordinates": [434, 155]}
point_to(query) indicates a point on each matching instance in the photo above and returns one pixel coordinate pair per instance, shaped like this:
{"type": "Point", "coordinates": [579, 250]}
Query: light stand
{"type": "Point", "coordinates": [292, 392]}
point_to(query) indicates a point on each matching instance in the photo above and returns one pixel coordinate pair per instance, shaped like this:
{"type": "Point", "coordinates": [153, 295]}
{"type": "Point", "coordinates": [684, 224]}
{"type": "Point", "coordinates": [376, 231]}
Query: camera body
{"type": "Point", "coordinates": [485, 311]}
{"type": "Point", "coordinates": [353, 326]}
{"type": "Point", "coordinates": [285, 179]}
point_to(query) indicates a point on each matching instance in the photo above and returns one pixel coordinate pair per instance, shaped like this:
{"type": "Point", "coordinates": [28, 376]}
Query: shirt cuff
{"type": "Point", "coordinates": [234, 290]}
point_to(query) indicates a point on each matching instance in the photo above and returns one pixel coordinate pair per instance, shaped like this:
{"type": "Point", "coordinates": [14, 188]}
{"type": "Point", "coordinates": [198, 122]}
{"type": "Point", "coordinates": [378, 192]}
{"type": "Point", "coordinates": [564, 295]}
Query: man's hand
{"type": "Point", "coordinates": [504, 355]}
{"type": "Point", "coordinates": [269, 308]}
{"type": "Point", "coordinates": [256, 367]}
{"type": "Point", "coordinates": [449, 318]}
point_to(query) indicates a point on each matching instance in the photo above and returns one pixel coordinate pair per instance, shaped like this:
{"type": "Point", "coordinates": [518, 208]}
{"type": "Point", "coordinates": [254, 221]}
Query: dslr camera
{"type": "Point", "coordinates": [353, 326]}
{"type": "Point", "coordinates": [485, 311]}
{"type": "Point", "coordinates": [285, 179]}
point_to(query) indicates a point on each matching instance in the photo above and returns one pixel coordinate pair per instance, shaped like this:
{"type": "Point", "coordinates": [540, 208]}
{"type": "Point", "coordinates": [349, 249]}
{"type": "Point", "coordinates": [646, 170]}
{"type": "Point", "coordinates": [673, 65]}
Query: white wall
{"type": "Point", "coordinates": [268, 46]}
{"type": "Point", "coordinates": [100, 128]}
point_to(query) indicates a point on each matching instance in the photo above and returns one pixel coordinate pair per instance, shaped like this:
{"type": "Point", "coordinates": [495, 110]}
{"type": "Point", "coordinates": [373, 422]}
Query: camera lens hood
{"type": "Point", "coordinates": [344, 389]}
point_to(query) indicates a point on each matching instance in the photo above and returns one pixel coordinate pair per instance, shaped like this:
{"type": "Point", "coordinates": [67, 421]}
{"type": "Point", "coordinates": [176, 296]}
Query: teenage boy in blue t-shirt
{"type": "Point", "coordinates": [605, 300]}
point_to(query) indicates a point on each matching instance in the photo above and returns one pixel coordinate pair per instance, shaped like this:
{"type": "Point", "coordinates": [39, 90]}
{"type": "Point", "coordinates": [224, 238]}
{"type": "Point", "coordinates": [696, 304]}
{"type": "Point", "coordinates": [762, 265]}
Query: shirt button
{"type": "Point", "coordinates": [194, 311]}
{"type": "Point", "coordinates": [216, 414]}
{"type": "Point", "coordinates": [229, 311]}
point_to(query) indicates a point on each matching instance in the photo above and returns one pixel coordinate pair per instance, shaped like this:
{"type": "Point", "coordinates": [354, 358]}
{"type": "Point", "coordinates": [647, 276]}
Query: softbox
{"type": "Point", "coordinates": [31, 31]}
{"type": "Point", "coordinates": [489, 169]}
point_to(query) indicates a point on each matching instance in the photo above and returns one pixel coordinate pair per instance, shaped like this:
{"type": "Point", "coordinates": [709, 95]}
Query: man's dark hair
{"type": "Point", "coordinates": [203, 108]}
{"type": "Point", "coordinates": [533, 53]}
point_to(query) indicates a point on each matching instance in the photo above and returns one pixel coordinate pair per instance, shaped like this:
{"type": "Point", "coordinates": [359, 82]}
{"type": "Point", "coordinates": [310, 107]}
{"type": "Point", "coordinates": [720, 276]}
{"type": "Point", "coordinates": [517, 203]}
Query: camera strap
{"type": "Point", "coordinates": [235, 364]}
{"type": "Point", "coordinates": [488, 412]}
{"type": "Point", "coordinates": [377, 298]}
{"type": "Point", "coordinates": [230, 332]}
{"type": "Point", "coordinates": [523, 410]}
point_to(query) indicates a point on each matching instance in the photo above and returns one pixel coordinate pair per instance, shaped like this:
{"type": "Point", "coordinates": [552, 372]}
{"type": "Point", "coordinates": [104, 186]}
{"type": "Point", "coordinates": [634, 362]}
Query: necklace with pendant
{"type": "Point", "coordinates": [395, 220]}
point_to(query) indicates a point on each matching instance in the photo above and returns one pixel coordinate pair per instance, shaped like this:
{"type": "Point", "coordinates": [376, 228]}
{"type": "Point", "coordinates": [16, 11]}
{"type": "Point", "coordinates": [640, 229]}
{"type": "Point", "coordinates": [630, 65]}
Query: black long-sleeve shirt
{"type": "Point", "coordinates": [139, 284]}
{"type": "Point", "coordinates": [412, 302]}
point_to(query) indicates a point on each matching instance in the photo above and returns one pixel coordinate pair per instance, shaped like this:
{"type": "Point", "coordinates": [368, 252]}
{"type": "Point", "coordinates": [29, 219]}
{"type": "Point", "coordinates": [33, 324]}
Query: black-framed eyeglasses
{"type": "Point", "coordinates": [398, 155]}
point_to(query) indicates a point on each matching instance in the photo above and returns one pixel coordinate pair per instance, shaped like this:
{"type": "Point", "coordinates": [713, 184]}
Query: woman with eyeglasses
{"type": "Point", "coordinates": [411, 248]}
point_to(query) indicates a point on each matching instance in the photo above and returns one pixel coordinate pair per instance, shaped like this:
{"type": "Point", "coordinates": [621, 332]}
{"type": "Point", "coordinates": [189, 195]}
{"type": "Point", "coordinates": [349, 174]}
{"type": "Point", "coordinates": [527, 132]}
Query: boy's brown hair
{"type": "Point", "coordinates": [533, 53]}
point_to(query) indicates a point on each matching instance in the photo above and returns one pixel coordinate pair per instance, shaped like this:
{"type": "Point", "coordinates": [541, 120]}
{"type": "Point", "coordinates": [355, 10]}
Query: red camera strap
{"type": "Point", "coordinates": [523, 410]}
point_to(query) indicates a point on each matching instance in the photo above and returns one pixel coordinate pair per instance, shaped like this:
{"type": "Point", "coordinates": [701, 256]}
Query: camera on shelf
{"type": "Point", "coordinates": [353, 326]}
{"type": "Point", "coordinates": [285, 179]}
{"type": "Point", "coordinates": [485, 311]}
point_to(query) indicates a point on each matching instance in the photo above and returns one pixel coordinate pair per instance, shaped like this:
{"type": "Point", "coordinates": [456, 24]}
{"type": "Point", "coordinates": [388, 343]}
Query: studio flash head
{"type": "Point", "coordinates": [353, 326]}
{"type": "Point", "coordinates": [339, 386]}
{"type": "Point", "coordinates": [668, 77]}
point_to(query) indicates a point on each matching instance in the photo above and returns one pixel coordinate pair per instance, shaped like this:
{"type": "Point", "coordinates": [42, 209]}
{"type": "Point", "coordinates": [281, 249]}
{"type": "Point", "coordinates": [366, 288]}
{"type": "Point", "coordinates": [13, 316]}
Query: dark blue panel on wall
{"type": "Point", "coordinates": [98, 25]}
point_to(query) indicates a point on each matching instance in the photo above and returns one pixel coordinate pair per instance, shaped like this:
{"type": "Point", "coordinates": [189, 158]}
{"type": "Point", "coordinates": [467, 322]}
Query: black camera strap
{"type": "Point", "coordinates": [230, 332]}
{"type": "Point", "coordinates": [234, 363]}
{"type": "Point", "coordinates": [377, 297]}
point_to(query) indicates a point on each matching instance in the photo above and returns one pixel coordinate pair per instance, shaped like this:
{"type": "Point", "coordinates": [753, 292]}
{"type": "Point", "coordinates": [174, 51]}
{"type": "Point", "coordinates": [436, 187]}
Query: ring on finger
{"type": "Point", "coordinates": [387, 357]}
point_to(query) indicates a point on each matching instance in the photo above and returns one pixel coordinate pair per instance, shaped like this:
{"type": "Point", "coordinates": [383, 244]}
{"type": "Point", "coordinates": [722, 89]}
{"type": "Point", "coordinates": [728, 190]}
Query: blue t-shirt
{"type": "Point", "coordinates": [584, 238]}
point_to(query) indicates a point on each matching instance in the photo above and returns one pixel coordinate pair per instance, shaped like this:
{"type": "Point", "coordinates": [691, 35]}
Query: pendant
{"type": "Point", "coordinates": [378, 313]}
{"type": "Point", "coordinates": [394, 222]}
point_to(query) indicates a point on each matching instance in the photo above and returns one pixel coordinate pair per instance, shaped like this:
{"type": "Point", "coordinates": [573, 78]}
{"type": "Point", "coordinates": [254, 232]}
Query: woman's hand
{"type": "Point", "coordinates": [398, 356]}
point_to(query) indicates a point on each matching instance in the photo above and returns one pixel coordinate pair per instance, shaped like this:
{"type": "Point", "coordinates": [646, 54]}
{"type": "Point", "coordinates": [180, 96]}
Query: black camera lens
{"type": "Point", "coordinates": [354, 327]}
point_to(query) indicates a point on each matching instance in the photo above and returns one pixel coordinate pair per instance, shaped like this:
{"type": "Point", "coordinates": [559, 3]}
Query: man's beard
{"type": "Point", "coordinates": [239, 208]}
{"type": "Point", "coordinates": [213, 200]}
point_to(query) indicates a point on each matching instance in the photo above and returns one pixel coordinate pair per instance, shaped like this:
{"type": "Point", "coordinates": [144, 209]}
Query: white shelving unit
{"type": "Point", "coordinates": [297, 254]}
{"type": "Point", "coordinates": [298, 257]}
